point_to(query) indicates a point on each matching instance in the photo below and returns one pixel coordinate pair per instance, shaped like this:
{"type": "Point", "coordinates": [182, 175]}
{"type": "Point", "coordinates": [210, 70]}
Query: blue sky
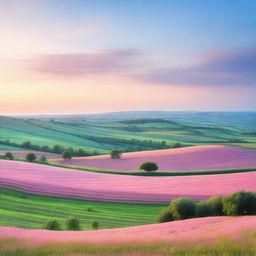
{"type": "Point", "coordinates": [203, 48]}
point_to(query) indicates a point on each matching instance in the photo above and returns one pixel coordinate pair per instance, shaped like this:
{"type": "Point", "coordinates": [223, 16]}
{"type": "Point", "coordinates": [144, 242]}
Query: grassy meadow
{"type": "Point", "coordinates": [31, 211]}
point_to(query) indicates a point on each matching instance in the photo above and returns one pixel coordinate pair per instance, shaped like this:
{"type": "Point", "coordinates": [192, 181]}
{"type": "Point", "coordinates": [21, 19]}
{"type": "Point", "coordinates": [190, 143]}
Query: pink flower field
{"type": "Point", "coordinates": [184, 230]}
{"type": "Point", "coordinates": [22, 154]}
{"type": "Point", "coordinates": [180, 159]}
{"type": "Point", "coordinates": [62, 182]}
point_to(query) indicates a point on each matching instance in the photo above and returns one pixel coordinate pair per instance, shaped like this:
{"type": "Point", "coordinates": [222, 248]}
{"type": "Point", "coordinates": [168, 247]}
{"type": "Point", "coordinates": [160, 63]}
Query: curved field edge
{"type": "Point", "coordinates": [24, 210]}
{"type": "Point", "coordinates": [203, 236]}
{"type": "Point", "coordinates": [157, 173]}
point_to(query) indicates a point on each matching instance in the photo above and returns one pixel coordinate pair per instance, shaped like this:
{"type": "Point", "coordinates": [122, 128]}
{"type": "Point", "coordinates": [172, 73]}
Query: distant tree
{"type": "Point", "coordinates": [43, 159]}
{"type": "Point", "coordinates": [183, 208]}
{"type": "Point", "coordinates": [240, 203]}
{"type": "Point", "coordinates": [176, 145]}
{"type": "Point", "coordinates": [95, 225]}
{"type": "Point", "coordinates": [9, 156]}
{"type": "Point", "coordinates": [52, 225]}
{"type": "Point", "coordinates": [30, 157]}
{"type": "Point", "coordinates": [203, 209]}
{"type": "Point", "coordinates": [45, 148]}
{"type": "Point", "coordinates": [148, 166]}
{"type": "Point", "coordinates": [26, 144]}
{"type": "Point", "coordinates": [66, 155]}
{"type": "Point", "coordinates": [115, 154]}
{"type": "Point", "coordinates": [72, 224]}
{"type": "Point", "coordinates": [216, 204]}
{"type": "Point", "coordinates": [58, 149]}
{"type": "Point", "coordinates": [80, 152]}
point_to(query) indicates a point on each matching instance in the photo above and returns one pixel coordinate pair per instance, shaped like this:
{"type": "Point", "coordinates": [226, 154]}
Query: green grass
{"type": "Point", "coordinates": [31, 211]}
{"type": "Point", "coordinates": [157, 173]}
{"type": "Point", "coordinates": [243, 246]}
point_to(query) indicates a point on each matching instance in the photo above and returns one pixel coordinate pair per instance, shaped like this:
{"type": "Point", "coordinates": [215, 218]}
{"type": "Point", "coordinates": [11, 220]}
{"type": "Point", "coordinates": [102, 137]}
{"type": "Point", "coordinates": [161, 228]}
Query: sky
{"type": "Point", "coordinates": [80, 56]}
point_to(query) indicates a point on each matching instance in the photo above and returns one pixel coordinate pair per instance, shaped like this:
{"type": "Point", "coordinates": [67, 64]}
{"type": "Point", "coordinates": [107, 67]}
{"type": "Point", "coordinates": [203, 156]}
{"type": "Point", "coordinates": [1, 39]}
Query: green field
{"type": "Point", "coordinates": [31, 211]}
{"type": "Point", "coordinates": [131, 131]}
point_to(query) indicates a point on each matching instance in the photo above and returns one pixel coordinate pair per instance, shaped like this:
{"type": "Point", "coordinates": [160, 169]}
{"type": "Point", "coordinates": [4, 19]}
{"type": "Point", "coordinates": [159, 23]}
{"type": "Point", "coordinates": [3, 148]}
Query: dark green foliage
{"type": "Point", "coordinates": [66, 155]}
{"type": "Point", "coordinates": [165, 215]}
{"type": "Point", "coordinates": [203, 209]}
{"type": "Point", "coordinates": [95, 225]}
{"type": "Point", "coordinates": [30, 157]}
{"type": "Point", "coordinates": [216, 204]}
{"type": "Point", "coordinates": [240, 203]}
{"type": "Point", "coordinates": [176, 145]}
{"type": "Point", "coordinates": [9, 156]}
{"type": "Point", "coordinates": [72, 224]}
{"type": "Point", "coordinates": [26, 144]}
{"type": "Point", "coordinates": [149, 166]}
{"type": "Point", "coordinates": [43, 159]}
{"type": "Point", "coordinates": [115, 154]}
{"type": "Point", "coordinates": [58, 149]}
{"type": "Point", "coordinates": [183, 208]}
{"type": "Point", "coordinates": [52, 225]}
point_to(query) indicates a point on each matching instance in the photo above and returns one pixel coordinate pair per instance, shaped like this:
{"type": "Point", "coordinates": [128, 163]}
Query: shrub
{"type": "Point", "coordinates": [240, 203]}
{"type": "Point", "coordinates": [66, 155]}
{"type": "Point", "coordinates": [95, 225]}
{"type": "Point", "coordinates": [9, 156]}
{"type": "Point", "coordinates": [149, 166]}
{"type": "Point", "coordinates": [52, 225]}
{"type": "Point", "coordinates": [43, 159]}
{"type": "Point", "coordinates": [216, 204]}
{"type": "Point", "coordinates": [182, 208]}
{"type": "Point", "coordinates": [30, 157]}
{"type": "Point", "coordinates": [115, 154]}
{"type": "Point", "coordinates": [203, 209]}
{"type": "Point", "coordinates": [72, 224]}
{"type": "Point", "coordinates": [176, 145]}
{"type": "Point", "coordinates": [26, 144]}
{"type": "Point", "coordinates": [165, 215]}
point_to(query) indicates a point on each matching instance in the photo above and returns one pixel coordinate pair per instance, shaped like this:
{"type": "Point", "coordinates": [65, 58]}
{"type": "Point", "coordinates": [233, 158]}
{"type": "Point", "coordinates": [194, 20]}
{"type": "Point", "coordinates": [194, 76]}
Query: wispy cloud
{"type": "Point", "coordinates": [236, 67]}
{"type": "Point", "coordinates": [84, 64]}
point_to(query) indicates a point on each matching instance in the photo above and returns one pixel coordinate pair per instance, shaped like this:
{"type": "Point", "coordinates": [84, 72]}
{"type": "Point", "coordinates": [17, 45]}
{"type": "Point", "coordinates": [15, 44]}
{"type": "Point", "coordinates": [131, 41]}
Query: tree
{"type": "Point", "coordinates": [26, 144]}
{"type": "Point", "coordinates": [176, 145]}
{"type": "Point", "coordinates": [216, 204]}
{"type": "Point", "coordinates": [57, 149]}
{"type": "Point", "coordinates": [183, 208]}
{"type": "Point", "coordinates": [66, 155]}
{"type": "Point", "coordinates": [149, 166]}
{"type": "Point", "coordinates": [43, 159]}
{"type": "Point", "coordinates": [240, 203]}
{"type": "Point", "coordinates": [203, 209]}
{"type": "Point", "coordinates": [115, 153]}
{"type": "Point", "coordinates": [95, 225]}
{"type": "Point", "coordinates": [9, 156]}
{"type": "Point", "coordinates": [165, 215]}
{"type": "Point", "coordinates": [30, 157]}
{"type": "Point", "coordinates": [52, 225]}
{"type": "Point", "coordinates": [72, 224]}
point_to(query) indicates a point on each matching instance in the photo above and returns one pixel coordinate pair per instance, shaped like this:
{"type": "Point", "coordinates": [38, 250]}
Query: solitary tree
{"type": "Point", "coordinates": [52, 225]}
{"type": "Point", "coordinates": [9, 156]}
{"type": "Point", "coordinates": [66, 155]}
{"type": "Point", "coordinates": [43, 159]}
{"type": "Point", "coordinates": [149, 166]}
{"type": "Point", "coordinates": [95, 225]}
{"type": "Point", "coordinates": [115, 154]}
{"type": "Point", "coordinates": [72, 224]}
{"type": "Point", "coordinates": [30, 157]}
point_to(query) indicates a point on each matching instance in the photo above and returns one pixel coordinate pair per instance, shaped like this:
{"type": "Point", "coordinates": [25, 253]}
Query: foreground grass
{"type": "Point", "coordinates": [24, 210]}
{"type": "Point", "coordinates": [242, 246]}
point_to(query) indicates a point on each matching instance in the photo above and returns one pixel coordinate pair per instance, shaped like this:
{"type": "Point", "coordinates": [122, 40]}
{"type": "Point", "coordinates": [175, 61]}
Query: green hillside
{"type": "Point", "coordinates": [130, 132]}
{"type": "Point", "coordinates": [30, 211]}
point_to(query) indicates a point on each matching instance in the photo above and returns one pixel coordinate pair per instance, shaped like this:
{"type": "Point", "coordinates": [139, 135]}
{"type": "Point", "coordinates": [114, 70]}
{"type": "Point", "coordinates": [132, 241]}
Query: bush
{"type": "Point", "coordinates": [95, 225]}
{"type": "Point", "coordinates": [240, 203]}
{"type": "Point", "coordinates": [66, 155]}
{"type": "Point", "coordinates": [176, 145]}
{"type": "Point", "coordinates": [203, 209]}
{"type": "Point", "coordinates": [72, 224]}
{"type": "Point", "coordinates": [30, 157]}
{"type": "Point", "coordinates": [165, 215]}
{"type": "Point", "coordinates": [216, 204]}
{"type": "Point", "coordinates": [149, 166]}
{"type": "Point", "coordinates": [43, 159]}
{"type": "Point", "coordinates": [115, 154]}
{"type": "Point", "coordinates": [9, 156]}
{"type": "Point", "coordinates": [183, 208]}
{"type": "Point", "coordinates": [52, 225]}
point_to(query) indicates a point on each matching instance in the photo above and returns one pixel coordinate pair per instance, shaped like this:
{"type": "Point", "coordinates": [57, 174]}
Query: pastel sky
{"type": "Point", "coordinates": [79, 56]}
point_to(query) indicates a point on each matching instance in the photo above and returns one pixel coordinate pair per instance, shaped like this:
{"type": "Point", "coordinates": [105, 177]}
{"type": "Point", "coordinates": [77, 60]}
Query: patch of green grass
{"type": "Point", "coordinates": [31, 211]}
